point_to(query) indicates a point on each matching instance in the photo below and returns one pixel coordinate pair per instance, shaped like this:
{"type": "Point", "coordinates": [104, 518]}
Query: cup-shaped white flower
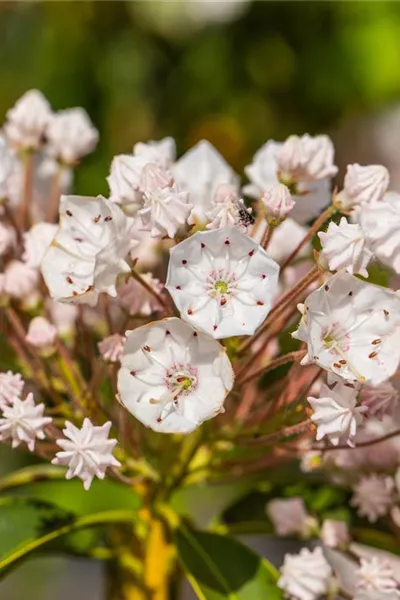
{"type": "Point", "coordinates": [305, 576]}
{"type": "Point", "coordinates": [200, 171]}
{"type": "Point", "coordinates": [162, 152]}
{"type": "Point", "coordinates": [352, 329]}
{"type": "Point", "coordinates": [336, 413]}
{"type": "Point", "coordinates": [376, 574]}
{"type": "Point", "coordinates": [71, 135]}
{"type": "Point", "coordinates": [363, 185]}
{"type": "Point", "coordinates": [86, 451]}
{"type": "Point", "coordinates": [173, 378]}
{"type": "Point", "coordinates": [165, 208]}
{"type": "Point", "coordinates": [23, 421]}
{"type": "Point", "coordinates": [36, 241]}
{"type": "Point", "coordinates": [89, 250]}
{"type": "Point", "coordinates": [306, 158]}
{"type": "Point", "coordinates": [381, 223]}
{"type": "Point", "coordinates": [11, 385]}
{"type": "Point", "coordinates": [27, 120]}
{"type": "Point", "coordinates": [345, 247]}
{"type": "Point", "coordinates": [373, 496]}
{"type": "Point", "coordinates": [222, 282]}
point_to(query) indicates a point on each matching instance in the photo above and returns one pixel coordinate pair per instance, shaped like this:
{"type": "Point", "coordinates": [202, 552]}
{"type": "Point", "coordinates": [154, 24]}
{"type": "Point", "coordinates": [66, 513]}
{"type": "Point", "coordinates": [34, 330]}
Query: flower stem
{"type": "Point", "coordinates": [149, 289]}
{"type": "Point", "coordinates": [54, 200]}
{"type": "Point", "coordinates": [25, 203]}
{"type": "Point", "coordinates": [328, 212]}
{"type": "Point", "coordinates": [274, 364]}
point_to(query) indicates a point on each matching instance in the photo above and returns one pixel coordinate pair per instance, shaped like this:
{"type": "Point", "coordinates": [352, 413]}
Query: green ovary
{"type": "Point", "coordinates": [221, 286]}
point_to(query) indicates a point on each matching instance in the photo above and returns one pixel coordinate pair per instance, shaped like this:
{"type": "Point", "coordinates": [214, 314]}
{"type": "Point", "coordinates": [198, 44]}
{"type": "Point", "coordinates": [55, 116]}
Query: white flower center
{"type": "Point", "coordinates": [180, 380]}
{"type": "Point", "coordinates": [221, 285]}
{"type": "Point", "coordinates": [337, 341]}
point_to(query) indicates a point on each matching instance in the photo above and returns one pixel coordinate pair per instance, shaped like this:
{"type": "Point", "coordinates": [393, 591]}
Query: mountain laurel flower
{"type": "Point", "coordinates": [306, 158]}
{"type": "Point", "coordinates": [86, 451]}
{"type": "Point", "coordinates": [345, 247]}
{"type": "Point", "coordinates": [222, 282]}
{"type": "Point", "coordinates": [305, 576]}
{"type": "Point", "coordinates": [111, 347]}
{"type": "Point", "coordinates": [277, 203]}
{"type": "Point", "coordinates": [228, 210]}
{"type": "Point", "coordinates": [23, 421]}
{"type": "Point", "coordinates": [290, 517]}
{"type": "Point", "coordinates": [41, 333]}
{"type": "Point", "coordinates": [173, 378]}
{"type": "Point", "coordinates": [11, 386]}
{"type": "Point", "coordinates": [335, 534]}
{"type": "Point", "coordinates": [200, 172]}
{"type": "Point", "coordinates": [381, 223]}
{"type": "Point", "coordinates": [19, 280]}
{"type": "Point", "coordinates": [135, 299]}
{"type": "Point", "coordinates": [373, 496]}
{"type": "Point", "coordinates": [161, 152]}
{"type": "Point", "coordinates": [27, 121]}
{"type": "Point", "coordinates": [124, 180]}
{"type": "Point", "coordinates": [363, 185]}
{"type": "Point", "coordinates": [311, 196]}
{"type": "Point", "coordinates": [376, 574]}
{"type": "Point", "coordinates": [336, 414]}
{"type": "Point", "coordinates": [380, 400]}
{"type": "Point", "coordinates": [88, 251]}
{"type": "Point", "coordinates": [352, 329]}
{"type": "Point", "coordinates": [71, 135]}
{"type": "Point", "coordinates": [36, 241]}
{"type": "Point", "coordinates": [165, 208]}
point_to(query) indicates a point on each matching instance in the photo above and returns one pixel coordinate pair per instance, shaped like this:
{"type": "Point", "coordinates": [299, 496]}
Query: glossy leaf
{"type": "Point", "coordinates": [219, 567]}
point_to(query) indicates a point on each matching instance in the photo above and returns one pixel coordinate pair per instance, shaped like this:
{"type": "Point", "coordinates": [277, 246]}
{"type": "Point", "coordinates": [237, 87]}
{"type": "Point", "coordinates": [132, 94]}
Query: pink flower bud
{"type": "Point", "coordinates": [278, 202]}
{"type": "Point", "coordinates": [41, 333]}
{"type": "Point", "coordinates": [19, 280]}
{"type": "Point", "coordinates": [27, 121]}
{"type": "Point", "coordinates": [335, 533]}
{"type": "Point", "coordinates": [363, 185]}
{"type": "Point", "coordinates": [71, 135]}
{"type": "Point", "coordinates": [111, 347]}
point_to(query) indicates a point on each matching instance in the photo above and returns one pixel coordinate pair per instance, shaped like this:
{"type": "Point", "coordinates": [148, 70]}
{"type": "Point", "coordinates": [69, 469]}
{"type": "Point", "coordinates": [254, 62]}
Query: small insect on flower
{"type": "Point", "coordinates": [172, 378]}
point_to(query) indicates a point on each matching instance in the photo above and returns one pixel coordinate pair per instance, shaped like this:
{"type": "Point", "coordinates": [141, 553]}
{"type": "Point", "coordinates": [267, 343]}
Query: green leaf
{"type": "Point", "coordinates": [45, 482]}
{"type": "Point", "coordinates": [27, 525]}
{"type": "Point", "coordinates": [219, 567]}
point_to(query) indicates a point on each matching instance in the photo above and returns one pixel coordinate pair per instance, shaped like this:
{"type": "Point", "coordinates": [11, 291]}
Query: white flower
{"type": "Point", "coordinates": [289, 516]}
{"type": "Point", "coordinates": [311, 197]}
{"type": "Point", "coordinates": [7, 165]}
{"type": "Point", "coordinates": [306, 158]}
{"type": "Point", "coordinates": [335, 534]}
{"type": "Point", "coordinates": [373, 496]}
{"type": "Point", "coordinates": [305, 576]}
{"type": "Point", "coordinates": [71, 135]}
{"type": "Point", "coordinates": [11, 385]}
{"type": "Point", "coordinates": [277, 202]}
{"type": "Point", "coordinates": [124, 180]}
{"type": "Point", "coordinates": [135, 299]}
{"type": "Point", "coordinates": [345, 247]}
{"type": "Point", "coordinates": [227, 209]}
{"type": "Point", "coordinates": [87, 451]}
{"type": "Point", "coordinates": [41, 333]}
{"type": "Point", "coordinates": [173, 378]}
{"type": "Point", "coordinates": [88, 251]}
{"type": "Point", "coordinates": [165, 208]}
{"type": "Point", "coordinates": [376, 574]}
{"type": "Point", "coordinates": [380, 400]}
{"type": "Point", "coordinates": [27, 121]}
{"type": "Point", "coordinates": [352, 329]}
{"type": "Point", "coordinates": [161, 152]}
{"type": "Point", "coordinates": [222, 282]}
{"type": "Point", "coordinates": [363, 185]}
{"type": "Point", "coordinates": [23, 421]}
{"type": "Point", "coordinates": [111, 347]}
{"type": "Point", "coordinates": [200, 171]}
{"type": "Point", "coordinates": [7, 238]}
{"type": "Point", "coordinates": [381, 223]}
{"type": "Point", "coordinates": [19, 280]}
{"type": "Point", "coordinates": [36, 241]}
{"type": "Point", "coordinates": [336, 414]}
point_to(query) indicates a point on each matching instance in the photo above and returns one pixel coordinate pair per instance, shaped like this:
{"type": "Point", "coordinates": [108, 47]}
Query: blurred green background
{"type": "Point", "coordinates": [235, 72]}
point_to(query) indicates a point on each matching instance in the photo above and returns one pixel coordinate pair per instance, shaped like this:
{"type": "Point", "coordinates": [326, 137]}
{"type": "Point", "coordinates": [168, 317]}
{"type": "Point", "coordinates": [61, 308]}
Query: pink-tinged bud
{"type": "Point", "coordinates": [71, 135]}
{"type": "Point", "coordinates": [27, 121]}
{"type": "Point", "coordinates": [41, 333]}
{"type": "Point", "coordinates": [335, 534]}
{"type": "Point", "coordinates": [111, 347]}
{"type": "Point", "coordinates": [306, 158]}
{"type": "Point", "coordinates": [19, 280]}
{"type": "Point", "coordinates": [278, 203]}
{"type": "Point", "coordinates": [363, 185]}
{"type": "Point", "coordinates": [154, 178]}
